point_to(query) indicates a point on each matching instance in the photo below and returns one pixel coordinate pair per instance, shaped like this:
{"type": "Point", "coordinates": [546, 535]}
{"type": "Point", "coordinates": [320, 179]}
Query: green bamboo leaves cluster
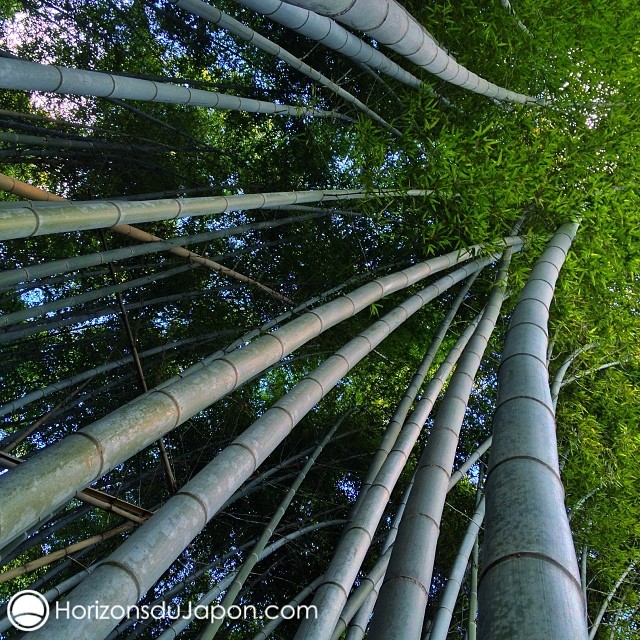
{"type": "Point", "coordinates": [154, 99]}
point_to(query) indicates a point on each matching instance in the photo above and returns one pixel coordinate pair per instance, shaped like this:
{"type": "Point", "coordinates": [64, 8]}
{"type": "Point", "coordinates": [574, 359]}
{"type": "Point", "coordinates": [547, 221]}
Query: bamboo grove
{"type": "Point", "coordinates": [322, 309]}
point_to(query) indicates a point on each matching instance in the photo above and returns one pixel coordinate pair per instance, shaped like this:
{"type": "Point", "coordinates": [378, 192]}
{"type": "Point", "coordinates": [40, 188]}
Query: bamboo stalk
{"type": "Point", "coordinates": [33, 76]}
{"type": "Point", "coordinates": [5, 576]}
{"type": "Point", "coordinates": [530, 583]}
{"type": "Point", "coordinates": [444, 613]}
{"type": "Point", "coordinates": [22, 220]}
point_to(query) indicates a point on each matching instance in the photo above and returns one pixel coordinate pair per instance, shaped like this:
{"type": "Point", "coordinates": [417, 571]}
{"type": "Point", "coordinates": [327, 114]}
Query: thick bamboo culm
{"type": "Point", "coordinates": [530, 582]}
{"type": "Point", "coordinates": [33, 76]}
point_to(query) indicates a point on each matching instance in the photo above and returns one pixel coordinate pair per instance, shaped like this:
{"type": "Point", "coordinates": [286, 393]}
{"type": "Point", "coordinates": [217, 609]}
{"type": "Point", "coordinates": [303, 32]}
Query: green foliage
{"type": "Point", "coordinates": [483, 165]}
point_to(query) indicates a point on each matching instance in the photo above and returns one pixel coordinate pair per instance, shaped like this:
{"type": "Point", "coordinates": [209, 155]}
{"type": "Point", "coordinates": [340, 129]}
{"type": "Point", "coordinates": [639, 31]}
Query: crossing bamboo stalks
{"type": "Point", "coordinates": [331, 35]}
{"type": "Point", "coordinates": [16, 317]}
{"type": "Point", "coordinates": [332, 595]}
{"type": "Point", "coordinates": [14, 439]}
{"type": "Point", "coordinates": [133, 568]}
{"type": "Point", "coordinates": [390, 24]}
{"type": "Point", "coordinates": [19, 220]}
{"type": "Point", "coordinates": [297, 600]}
{"type": "Point", "coordinates": [57, 555]}
{"type": "Point", "coordinates": [138, 234]}
{"type": "Point", "coordinates": [530, 582]}
{"type": "Point", "coordinates": [15, 276]}
{"type": "Point", "coordinates": [367, 592]}
{"type": "Point", "coordinates": [33, 76]}
{"type": "Point", "coordinates": [469, 462]}
{"type": "Point", "coordinates": [92, 496]}
{"type": "Point", "coordinates": [399, 416]}
{"type": "Point", "coordinates": [402, 601]}
{"type": "Point", "coordinates": [65, 383]}
{"type": "Point", "coordinates": [89, 453]}
{"type": "Point", "coordinates": [250, 562]}
{"type": "Point", "coordinates": [144, 236]}
{"type": "Point", "coordinates": [183, 623]}
{"type": "Point", "coordinates": [214, 15]}
{"type": "Point", "coordinates": [178, 588]}
{"type": "Point", "coordinates": [443, 615]}
{"type": "Point", "coordinates": [37, 537]}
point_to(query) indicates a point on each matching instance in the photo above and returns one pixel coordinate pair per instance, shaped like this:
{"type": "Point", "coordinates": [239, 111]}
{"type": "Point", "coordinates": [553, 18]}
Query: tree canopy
{"type": "Point", "coordinates": [94, 317]}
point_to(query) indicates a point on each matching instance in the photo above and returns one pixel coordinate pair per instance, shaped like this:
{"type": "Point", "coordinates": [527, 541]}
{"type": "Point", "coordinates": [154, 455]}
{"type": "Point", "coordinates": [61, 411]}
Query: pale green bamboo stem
{"type": "Point", "coordinates": [22, 220]}
{"type": "Point", "coordinates": [530, 583]}
{"type": "Point", "coordinates": [473, 592]}
{"type": "Point", "coordinates": [561, 372]}
{"type": "Point", "coordinates": [247, 566]}
{"type": "Point", "coordinates": [469, 462]}
{"type": "Point", "coordinates": [583, 574]}
{"type": "Point", "coordinates": [607, 601]}
{"type": "Point", "coordinates": [509, 7]}
{"type": "Point", "coordinates": [602, 367]}
{"type": "Point", "coordinates": [225, 21]}
{"type": "Point", "coordinates": [390, 24]}
{"type": "Point", "coordinates": [356, 610]}
{"type": "Point", "coordinates": [33, 76]}
{"type": "Point", "coordinates": [63, 143]}
{"type": "Point", "coordinates": [443, 615]}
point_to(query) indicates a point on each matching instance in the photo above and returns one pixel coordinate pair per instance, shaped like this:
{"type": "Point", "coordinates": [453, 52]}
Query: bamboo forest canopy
{"type": "Point", "coordinates": [272, 271]}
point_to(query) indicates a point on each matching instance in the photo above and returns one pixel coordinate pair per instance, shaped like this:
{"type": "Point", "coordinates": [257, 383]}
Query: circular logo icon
{"type": "Point", "coordinates": [28, 610]}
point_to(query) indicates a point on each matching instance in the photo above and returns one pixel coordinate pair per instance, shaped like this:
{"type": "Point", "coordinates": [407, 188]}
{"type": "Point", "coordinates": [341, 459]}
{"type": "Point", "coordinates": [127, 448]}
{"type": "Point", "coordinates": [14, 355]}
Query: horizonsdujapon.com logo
{"type": "Point", "coordinates": [28, 610]}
